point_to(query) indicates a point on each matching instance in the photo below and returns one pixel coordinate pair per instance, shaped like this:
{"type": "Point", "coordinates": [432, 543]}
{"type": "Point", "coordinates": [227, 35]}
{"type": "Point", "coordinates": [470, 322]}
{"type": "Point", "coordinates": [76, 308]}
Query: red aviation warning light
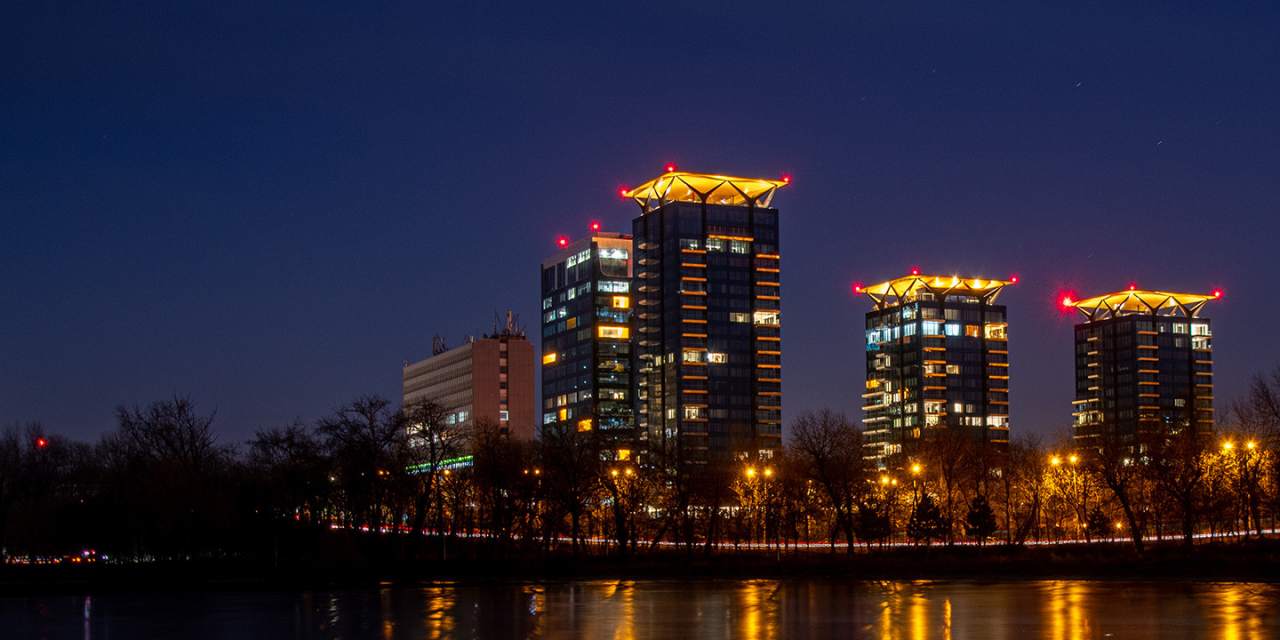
{"type": "Point", "coordinates": [786, 177]}
{"type": "Point", "coordinates": [857, 288]}
{"type": "Point", "coordinates": [1013, 278]}
{"type": "Point", "coordinates": [42, 442]}
{"type": "Point", "coordinates": [915, 271]}
{"type": "Point", "coordinates": [1133, 286]}
{"type": "Point", "coordinates": [562, 242]}
{"type": "Point", "coordinates": [623, 192]}
{"type": "Point", "coordinates": [1067, 302]}
{"type": "Point", "coordinates": [670, 168]}
{"type": "Point", "coordinates": [595, 226]}
{"type": "Point", "coordinates": [1217, 293]}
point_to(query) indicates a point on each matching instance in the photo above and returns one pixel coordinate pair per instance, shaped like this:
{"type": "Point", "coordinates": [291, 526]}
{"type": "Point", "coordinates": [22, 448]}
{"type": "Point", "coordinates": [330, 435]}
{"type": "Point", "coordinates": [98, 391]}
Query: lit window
{"type": "Point", "coordinates": [571, 323]}
{"type": "Point", "coordinates": [957, 408]}
{"type": "Point", "coordinates": [550, 357]}
{"type": "Point", "coordinates": [738, 246]}
{"type": "Point", "coordinates": [614, 286]}
{"type": "Point", "coordinates": [715, 244]}
{"type": "Point", "coordinates": [621, 302]}
{"type": "Point", "coordinates": [584, 424]}
{"type": "Point", "coordinates": [953, 329]}
{"type": "Point", "coordinates": [736, 316]}
{"type": "Point", "coordinates": [613, 254]}
{"type": "Point", "coordinates": [971, 330]}
{"type": "Point", "coordinates": [624, 454]}
{"type": "Point", "coordinates": [691, 356]}
{"type": "Point", "coordinates": [563, 414]}
{"type": "Point", "coordinates": [693, 413]}
{"type": "Point", "coordinates": [717, 358]}
{"type": "Point", "coordinates": [504, 416]}
{"type": "Point", "coordinates": [610, 332]}
{"type": "Point", "coordinates": [766, 318]}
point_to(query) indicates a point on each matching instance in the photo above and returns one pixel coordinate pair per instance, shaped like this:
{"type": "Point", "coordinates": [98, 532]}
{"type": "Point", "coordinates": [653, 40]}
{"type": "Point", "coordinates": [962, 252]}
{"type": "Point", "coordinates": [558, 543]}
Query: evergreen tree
{"type": "Point", "coordinates": [980, 523]}
{"type": "Point", "coordinates": [927, 522]}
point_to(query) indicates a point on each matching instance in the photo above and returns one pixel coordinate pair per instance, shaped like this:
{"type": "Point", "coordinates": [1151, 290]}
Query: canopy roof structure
{"type": "Point", "coordinates": [704, 188]}
{"type": "Point", "coordinates": [908, 288]}
{"type": "Point", "coordinates": [1141, 302]}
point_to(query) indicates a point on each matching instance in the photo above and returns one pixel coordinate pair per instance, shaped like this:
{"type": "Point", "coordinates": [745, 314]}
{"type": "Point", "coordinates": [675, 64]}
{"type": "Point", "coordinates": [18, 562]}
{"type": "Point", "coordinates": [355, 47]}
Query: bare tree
{"type": "Point", "coordinates": [831, 449]}
{"type": "Point", "coordinates": [431, 441]}
{"type": "Point", "coordinates": [1178, 463]}
{"type": "Point", "coordinates": [368, 443]}
{"type": "Point", "coordinates": [1111, 459]}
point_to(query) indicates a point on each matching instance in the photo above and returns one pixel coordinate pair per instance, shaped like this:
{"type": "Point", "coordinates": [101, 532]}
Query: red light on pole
{"type": "Point", "coordinates": [786, 177]}
{"type": "Point", "coordinates": [562, 242]}
{"type": "Point", "coordinates": [1068, 302]}
{"type": "Point", "coordinates": [670, 168]}
{"type": "Point", "coordinates": [595, 226]}
{"type": "Point", "coordinates": [915, 271]}
{"type": "Point", "coordinates": [1217, 293]}
{"type": "Point", "coordinates": [1013, 279]}
{"type": "Point", "coordinates": [1133, 286]}
{"type": "Point", "coordinates": [624, 192]}
{"type": "Point", "coordinates": [41, 442]}
{"type": "Point", "coordinates": [857, 288]}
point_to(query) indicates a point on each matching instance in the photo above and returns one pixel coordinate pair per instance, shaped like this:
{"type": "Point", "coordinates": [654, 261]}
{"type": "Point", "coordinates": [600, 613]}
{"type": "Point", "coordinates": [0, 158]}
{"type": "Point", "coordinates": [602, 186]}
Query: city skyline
{"type": "Point", "coordinates": [185, 220]}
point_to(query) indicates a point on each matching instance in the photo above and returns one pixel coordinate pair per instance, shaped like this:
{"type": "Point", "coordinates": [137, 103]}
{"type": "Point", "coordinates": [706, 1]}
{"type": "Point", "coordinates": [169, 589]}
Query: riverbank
{"type": "Point", "coordinates": [1237, 561]}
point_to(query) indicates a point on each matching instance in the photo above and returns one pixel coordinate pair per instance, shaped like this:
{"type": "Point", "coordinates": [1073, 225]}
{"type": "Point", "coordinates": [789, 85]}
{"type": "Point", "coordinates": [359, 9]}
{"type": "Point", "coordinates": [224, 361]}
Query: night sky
{"type": "Point", "coordinates": [270, 209]}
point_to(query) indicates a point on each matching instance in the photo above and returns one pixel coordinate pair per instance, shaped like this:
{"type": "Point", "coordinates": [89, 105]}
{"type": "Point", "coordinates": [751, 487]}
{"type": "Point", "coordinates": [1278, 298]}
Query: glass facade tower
{"type": "Point", "coordinates": [937, 357]}
{"type": "Point", "coordinates": [707, 289]}
{"type": "Point", "coordinates": [1144, 364]}
{"type": "Point", "coordinates": [586, 341]}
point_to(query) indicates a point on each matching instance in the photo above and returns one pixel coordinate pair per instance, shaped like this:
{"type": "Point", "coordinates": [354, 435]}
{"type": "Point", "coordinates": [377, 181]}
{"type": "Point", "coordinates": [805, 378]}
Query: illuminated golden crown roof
{"type": "Point", "coordinates": [1141, 302]}
{"type": "Point", "coordinates": [909, 287]}
{"type": "Point", "coordinates": [682, 186]}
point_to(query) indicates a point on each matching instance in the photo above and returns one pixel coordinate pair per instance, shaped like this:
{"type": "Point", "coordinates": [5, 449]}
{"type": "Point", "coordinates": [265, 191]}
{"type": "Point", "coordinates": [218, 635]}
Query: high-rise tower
{"type": "Point", "coordinates": [937, 350]}
{"type": "Point", "coordinates": [586, 340]}
{"type": "Point", "coordinates": [708, 315]}
{"type": "Point", "coordinates": [1144, 363]}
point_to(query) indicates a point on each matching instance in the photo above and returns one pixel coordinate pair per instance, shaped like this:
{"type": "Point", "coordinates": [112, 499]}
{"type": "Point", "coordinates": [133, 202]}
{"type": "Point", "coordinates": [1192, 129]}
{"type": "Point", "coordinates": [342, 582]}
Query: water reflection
{"type": "Point", "coordinates": [640, 610]}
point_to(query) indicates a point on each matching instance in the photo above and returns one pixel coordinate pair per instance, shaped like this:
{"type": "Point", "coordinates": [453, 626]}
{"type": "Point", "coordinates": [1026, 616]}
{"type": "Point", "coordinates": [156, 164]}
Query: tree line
{"type": "Point", "coordinates": [161, 485]}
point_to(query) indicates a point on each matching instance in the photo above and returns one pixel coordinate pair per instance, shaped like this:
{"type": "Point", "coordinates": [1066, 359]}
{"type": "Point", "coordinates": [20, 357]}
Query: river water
{"type": "Point", "coordinates": [683, 610]}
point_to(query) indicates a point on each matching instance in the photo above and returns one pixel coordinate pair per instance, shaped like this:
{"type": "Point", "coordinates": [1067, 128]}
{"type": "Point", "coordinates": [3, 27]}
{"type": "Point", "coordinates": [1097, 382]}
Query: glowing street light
{"type": "Point", "coordinates": [1073, 458]}
{"type": "Point", "coordinates": [1228, 445]}
{"type": "Point", "coordinates": [1055, 461]}
{"type": "Point", "coordinates": [916, 469]}
{"type": "Point", "coordinates": [768, 472]}
{"type": "Point", "coordinates": [750, 472]}
{"type": "Point", "coordinates": [1251, 445]}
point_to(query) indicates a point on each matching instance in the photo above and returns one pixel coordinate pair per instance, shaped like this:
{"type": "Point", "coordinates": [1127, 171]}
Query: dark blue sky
{"type": "Point", "coordinates": [269, 209]}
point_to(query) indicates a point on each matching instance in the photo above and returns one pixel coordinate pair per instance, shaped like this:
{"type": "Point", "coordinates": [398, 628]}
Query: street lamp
{"type": "Point", "coordinates": [1251, 445]}
{"type": "Point", "coordinates": [750, 472]}
{"type": "Point", "coordinates": [1055, 461]}
{"type": "Point", "coordinates": [1073, 458]}
{"type": "Point", "coordinates": [768, 472]}
{"type": "Point", "coordinates": [1228, 445]}
{"type": "Point", "coordinates": [916, 469]}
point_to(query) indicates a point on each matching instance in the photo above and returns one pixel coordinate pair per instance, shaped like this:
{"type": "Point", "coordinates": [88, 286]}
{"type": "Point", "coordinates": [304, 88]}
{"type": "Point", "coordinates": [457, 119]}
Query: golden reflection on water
{"type": "Point", "coordinates": [907, 611]}
{"type": "Point", "coordinates": [757, 600]}
{"type": "Point", "coordinates": [1065, 606]}
{"type": "Point", "coordinates": [1238, 610]}
{"type": "Point", "coordinates": [623, 594]}
{"type": "Point", "coordinates": [440, 601]}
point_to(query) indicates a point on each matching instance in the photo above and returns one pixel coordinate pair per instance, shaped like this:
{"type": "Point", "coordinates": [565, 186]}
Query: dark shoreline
{"type": "Point", "coordinates": [1257, 561]}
